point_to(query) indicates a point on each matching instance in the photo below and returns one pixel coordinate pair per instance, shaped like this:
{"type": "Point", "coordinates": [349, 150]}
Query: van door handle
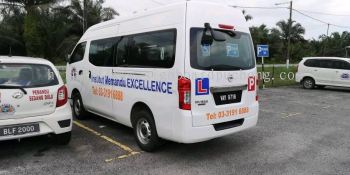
{"type": "Point", "coordinates": [80, 72]}
{"type": "Point", "coordinates": [90, 74]}
{"type": "Point", "coordinates": [315, 70]}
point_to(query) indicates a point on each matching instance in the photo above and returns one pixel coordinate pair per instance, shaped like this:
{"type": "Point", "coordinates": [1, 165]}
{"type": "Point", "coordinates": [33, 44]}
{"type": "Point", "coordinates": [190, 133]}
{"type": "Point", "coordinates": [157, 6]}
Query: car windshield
{"type": "Point", "coordinates": [235, 53]}
{"type": "Point", "coordinates": [26, 75]}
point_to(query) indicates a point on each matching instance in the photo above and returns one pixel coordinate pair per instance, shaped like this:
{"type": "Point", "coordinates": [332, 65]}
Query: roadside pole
{"type": "Point", "coordinates": [263, 70]}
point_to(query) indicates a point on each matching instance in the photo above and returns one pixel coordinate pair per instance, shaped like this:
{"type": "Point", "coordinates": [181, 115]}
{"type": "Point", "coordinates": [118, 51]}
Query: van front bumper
{"type": "Point", "coordinates": [58, 122]}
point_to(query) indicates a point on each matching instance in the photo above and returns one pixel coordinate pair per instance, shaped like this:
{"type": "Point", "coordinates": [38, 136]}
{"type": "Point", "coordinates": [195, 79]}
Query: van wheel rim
{"type": "Point", "coordinates": [143, 130]}
{"type": "Point", "coordinates": [308, 83]}
{"type": "Point", "coordinates": [77, 107]}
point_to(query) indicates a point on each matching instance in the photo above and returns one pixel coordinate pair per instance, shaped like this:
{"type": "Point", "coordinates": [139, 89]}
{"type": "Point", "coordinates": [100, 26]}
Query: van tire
{"type": "Point", "coordinates": [308, 83]}
{"type": "Point", "coordinates": [63, 139]}
{"type": "Point", "coordinates": [79, 111]}
{"type": "Point", "coordinates": [145, 131]}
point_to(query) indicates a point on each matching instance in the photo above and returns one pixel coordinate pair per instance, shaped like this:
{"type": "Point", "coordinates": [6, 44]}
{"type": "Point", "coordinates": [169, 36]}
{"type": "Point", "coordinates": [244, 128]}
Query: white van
{"type": "Point", "coordinates": [184, 72]}
{"type": "Point", "coordinates": [323, 71]}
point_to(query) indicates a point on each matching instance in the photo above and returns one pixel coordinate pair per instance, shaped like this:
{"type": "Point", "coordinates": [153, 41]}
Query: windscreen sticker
{"type": "Point", "coordinates": [7, 109]}
{"type": "Point", "coordinates": [232, 50]}
{"type": "Point", "coordinates": [51, 75]}
{"type": "Point", "coordinates": [205, 50]}
{"type": "Point", "coordinates": [345, 76]}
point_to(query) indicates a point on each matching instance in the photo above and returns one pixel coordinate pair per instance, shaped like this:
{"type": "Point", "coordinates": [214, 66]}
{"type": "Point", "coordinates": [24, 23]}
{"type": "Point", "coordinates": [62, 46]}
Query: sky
{"type": "Point", "coordinates": [340, 10]}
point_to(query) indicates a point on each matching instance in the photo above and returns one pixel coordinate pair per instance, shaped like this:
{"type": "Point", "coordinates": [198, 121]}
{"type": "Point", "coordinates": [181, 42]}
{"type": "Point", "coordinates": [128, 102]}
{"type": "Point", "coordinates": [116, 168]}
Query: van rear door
{"type": "Point", "coordinates": [224, 77]}
{"type": "Point", "coordinates": [27, 90]}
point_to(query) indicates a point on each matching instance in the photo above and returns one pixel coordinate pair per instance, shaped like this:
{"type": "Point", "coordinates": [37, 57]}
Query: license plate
{"type": "Point", "coordinates": [15, 130]}
{"type": "Point", "coordinates": [222, 98]}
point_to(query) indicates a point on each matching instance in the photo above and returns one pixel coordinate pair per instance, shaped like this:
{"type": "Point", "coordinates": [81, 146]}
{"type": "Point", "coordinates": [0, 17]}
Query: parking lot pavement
{"type": "Point", "coordinates": [299, 132]}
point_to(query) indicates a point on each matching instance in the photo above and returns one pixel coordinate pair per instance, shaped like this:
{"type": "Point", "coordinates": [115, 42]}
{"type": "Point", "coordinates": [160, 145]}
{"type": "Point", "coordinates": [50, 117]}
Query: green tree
{"type": "Point", "coordinates": [296, 35]}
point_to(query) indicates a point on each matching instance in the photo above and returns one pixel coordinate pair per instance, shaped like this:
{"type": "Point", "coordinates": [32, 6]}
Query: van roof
{"type": "Point", "coordinates": [148, 14]}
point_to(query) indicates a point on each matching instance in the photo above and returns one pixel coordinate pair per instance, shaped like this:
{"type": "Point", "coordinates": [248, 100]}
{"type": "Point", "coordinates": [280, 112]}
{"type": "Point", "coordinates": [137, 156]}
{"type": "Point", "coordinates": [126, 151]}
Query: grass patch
{"type": "Point", "coordinates": [278, 76]}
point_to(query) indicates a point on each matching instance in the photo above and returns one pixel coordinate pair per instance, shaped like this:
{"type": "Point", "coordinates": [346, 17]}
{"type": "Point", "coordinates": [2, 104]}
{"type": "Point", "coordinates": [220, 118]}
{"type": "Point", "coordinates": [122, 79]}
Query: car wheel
{"type": "Point", "coordinates": [145, 131]}
{"type": "Point", "coordinates": [79, 111]}
{"type": "Point", "coordinates": [308, 83]}
{"type": "Point", "coordinates": [63, 139]}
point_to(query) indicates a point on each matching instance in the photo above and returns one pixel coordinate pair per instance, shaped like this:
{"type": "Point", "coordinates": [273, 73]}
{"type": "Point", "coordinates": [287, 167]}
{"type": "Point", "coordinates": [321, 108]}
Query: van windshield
{"type": "Point", "coordinates": [235, 53]}
{"type": "Point", "coordinates": [26, 75]}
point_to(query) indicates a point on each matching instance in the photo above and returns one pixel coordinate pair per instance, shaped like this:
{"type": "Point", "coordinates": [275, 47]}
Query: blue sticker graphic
{"type": "Point", "coordinates": [345, 76]}
{"type": "Point", "coordinates": [232, 50]}
{"type": "Point", "coordinates": [202, 86]}
{"type": "Point", "coordinates": [205, 50]}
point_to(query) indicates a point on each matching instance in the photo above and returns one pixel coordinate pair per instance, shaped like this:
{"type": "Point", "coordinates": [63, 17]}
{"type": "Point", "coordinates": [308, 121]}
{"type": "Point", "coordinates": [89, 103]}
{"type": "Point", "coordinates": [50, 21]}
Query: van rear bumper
{"type": "Point", "coordinates": [55, 123]}
{"type": "Point", "coordinates": [190, 134]}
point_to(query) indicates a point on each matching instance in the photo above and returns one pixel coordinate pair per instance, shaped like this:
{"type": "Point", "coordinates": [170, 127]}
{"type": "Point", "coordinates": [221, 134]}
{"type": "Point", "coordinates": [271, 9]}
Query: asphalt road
{"type": "Point", "coordinates": [299, 132]}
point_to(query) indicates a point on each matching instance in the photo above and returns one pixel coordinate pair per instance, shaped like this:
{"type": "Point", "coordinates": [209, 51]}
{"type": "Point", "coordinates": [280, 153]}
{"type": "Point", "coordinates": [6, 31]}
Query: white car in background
{"type": "Point", "coordinates": [323, 71]}
{"type": "Point", "coordinates": [33, 100]}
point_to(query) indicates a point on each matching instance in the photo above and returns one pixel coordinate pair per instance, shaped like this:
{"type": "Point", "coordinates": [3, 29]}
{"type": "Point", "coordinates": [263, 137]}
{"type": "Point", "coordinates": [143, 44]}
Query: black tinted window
{"type": "Point", "coordinates": [101, 52]}
{"type": "Point", "coordinates": [155, 49]}
{"type": "Point", "coordinates": [122, 51]}
{"type": "Point", "coordinates": [312, 63]}
{"type": "Point", "coordinates": [339, 64]}
{"type": "Point", "coordinates": [326, 64]}
{"type": "Point", "coordinates": [78, 53]}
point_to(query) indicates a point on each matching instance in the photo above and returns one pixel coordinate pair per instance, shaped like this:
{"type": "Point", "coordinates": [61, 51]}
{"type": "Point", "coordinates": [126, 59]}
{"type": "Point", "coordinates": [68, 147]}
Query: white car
{"type": "Point", "coordinates": [33, 100]}
{"type": "Point", "coordinates": [172, 73]}
{"type": "Point", "coordinates": [323, 71]}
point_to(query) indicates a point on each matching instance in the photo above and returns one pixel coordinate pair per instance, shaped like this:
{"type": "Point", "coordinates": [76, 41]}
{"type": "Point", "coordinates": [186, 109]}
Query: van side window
{"type": "Point", "coordinates": [122, 51]}
{"type": "Point", "coordinates": [78, 53]}
{"type": "Point", "coordinates": [154, 49]}
{"type": "Point", "coordinates": [101, 52]}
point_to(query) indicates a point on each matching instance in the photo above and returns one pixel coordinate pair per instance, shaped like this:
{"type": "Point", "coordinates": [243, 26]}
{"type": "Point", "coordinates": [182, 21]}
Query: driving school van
{"type": "Point", "coordinates": [184, 72]}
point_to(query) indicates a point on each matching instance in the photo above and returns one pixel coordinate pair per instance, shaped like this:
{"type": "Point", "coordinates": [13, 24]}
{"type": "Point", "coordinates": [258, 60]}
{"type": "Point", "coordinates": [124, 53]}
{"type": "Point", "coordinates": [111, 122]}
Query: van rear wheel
{"type": "Point", "coordinates": [308, 83]}
{"type": "Point", "coordinates": [79, 111]}
{"type": "Point", "coordinates": [145, 131]}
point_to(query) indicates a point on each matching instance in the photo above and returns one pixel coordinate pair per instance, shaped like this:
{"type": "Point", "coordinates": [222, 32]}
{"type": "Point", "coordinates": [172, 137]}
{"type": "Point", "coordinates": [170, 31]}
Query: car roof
{"type": "Point", "coordinates": [22, 59]}
{"type": "Point", "coordinates": [330, 58]}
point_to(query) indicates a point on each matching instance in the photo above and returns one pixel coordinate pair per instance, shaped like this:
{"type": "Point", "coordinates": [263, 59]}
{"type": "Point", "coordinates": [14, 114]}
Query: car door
{"type": "Point", "coordinates": [325, 73]}
{"type": "Point", "coordinates": [342, 76]}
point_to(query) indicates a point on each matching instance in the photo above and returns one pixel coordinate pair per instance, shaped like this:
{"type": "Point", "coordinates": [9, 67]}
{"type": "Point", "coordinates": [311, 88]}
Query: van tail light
{"type": "Point", "coordinates": [184, 88]}
{"type": "Point", "coordinates": [62, 96]}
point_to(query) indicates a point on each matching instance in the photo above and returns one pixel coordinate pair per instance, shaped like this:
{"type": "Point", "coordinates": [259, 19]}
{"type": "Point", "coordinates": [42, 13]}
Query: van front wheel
{"type": "Point", "coordinates": [145, 131]}
{"type": "Point", "coordinates": [78, 107]}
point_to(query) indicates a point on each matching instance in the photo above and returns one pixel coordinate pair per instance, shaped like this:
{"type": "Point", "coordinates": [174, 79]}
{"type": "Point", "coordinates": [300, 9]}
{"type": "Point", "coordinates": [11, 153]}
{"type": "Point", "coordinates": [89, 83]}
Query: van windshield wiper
{"type": "Point", "coordinates": [14, 87]}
